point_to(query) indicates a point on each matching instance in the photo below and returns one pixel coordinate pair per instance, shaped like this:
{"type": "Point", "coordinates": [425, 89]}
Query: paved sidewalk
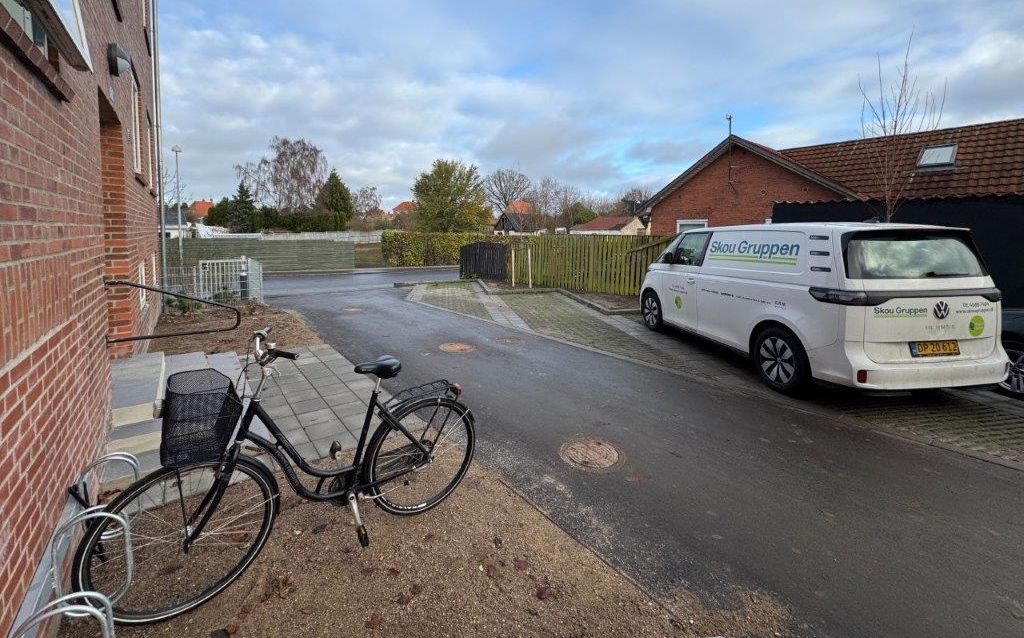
{"type": "Point", "coordinates": [315, 400]}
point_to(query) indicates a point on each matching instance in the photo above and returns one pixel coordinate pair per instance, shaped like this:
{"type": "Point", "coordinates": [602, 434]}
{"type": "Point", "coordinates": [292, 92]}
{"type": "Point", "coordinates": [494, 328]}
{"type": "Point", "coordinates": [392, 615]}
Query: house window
{"type": "Point", "coordinates": [135, 133]}
{"type": "Point", "coordinates": [24, 19]}
{"type": "Point", "coordinates": [683, 225]}
{"type": "Point", "coordinates": [932, 156]}
{"type": "Point", "coordinates": [142, 280]}
{"type": "Point", "coordinates": [152, 154]}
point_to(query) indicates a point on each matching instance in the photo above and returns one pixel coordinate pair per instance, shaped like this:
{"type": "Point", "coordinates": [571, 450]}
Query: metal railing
{"type": "Point", "coordinates": [230, 281]}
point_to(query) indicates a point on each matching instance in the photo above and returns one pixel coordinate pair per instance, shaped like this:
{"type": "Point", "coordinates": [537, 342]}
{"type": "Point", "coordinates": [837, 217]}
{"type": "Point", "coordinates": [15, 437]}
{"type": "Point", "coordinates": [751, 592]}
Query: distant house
{"type": "Point", "coordinates": [171, 224]}
{"type": "Point", "coordinates": [520, 218]}
{"type": "Point", "coordinates": [610, 226]}
{"type": "Point", "coordinates": [407, 206]}
{"type": "Point", "coordinates": [969, 176]}
{"type": "Point", "coordinates": [201, 208]}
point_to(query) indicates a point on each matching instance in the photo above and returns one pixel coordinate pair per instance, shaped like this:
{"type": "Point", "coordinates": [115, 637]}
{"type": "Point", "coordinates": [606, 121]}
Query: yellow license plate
{"type": "Point", "coordinates": [950, 348]}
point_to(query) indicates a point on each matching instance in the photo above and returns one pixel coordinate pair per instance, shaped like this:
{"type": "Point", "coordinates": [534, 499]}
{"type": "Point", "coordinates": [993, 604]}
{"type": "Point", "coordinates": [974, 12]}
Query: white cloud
{"type": "Point", "coordinates": [601, 94]}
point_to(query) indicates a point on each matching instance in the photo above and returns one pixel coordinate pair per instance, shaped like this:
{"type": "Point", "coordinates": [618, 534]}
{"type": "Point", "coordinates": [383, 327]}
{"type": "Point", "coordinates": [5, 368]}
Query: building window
{"type": "Point", "coordinates": [135, 133]}
{"type": "Point", "coordinates": [24, 19]}
{"type": "Point", "coordinates": [152, 155]}
{"type": "Point", "coordinates": [683, 225]}
{"type": "Point", "coordinates": [142, 280]}
{"type": "Point", "coordinates": [933, 156]}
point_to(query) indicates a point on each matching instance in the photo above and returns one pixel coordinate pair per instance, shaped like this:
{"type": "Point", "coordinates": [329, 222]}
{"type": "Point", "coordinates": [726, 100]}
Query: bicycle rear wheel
{"type": "Point", "coordinates": [169, 581]}
{"type": "Point", "coordinates": [445, 427]}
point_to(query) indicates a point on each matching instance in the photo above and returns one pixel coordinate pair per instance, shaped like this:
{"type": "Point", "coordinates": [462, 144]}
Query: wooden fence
{"type": "Point", "coordinates": [487, 260]}
{"type": "Point", "coordinates": [614, 264]}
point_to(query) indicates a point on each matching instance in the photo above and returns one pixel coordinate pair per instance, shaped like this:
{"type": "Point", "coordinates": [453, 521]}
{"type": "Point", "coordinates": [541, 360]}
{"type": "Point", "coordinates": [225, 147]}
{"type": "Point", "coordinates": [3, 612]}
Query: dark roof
{"type": "Point", "coordinates": [171, 217]}
{"type": "Point", "coordinates": [989, 161]}
{"type": "Point", "coordinates": [518, 221]}
{"type": "Point", "coordinates": [604, 223]}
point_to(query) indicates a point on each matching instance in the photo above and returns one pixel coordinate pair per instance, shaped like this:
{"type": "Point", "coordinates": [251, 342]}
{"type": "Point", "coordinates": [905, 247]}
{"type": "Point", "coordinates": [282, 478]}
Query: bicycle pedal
{"type": "Point", "coordinates": [334, 450]}
{"type": "Point", "coordinates": [364, 536]}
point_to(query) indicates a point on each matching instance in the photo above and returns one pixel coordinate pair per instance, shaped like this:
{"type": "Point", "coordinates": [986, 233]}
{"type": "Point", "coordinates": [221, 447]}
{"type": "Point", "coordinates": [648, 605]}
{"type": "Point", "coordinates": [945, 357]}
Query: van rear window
{"type": "Point", "coordinates": [911, 255]}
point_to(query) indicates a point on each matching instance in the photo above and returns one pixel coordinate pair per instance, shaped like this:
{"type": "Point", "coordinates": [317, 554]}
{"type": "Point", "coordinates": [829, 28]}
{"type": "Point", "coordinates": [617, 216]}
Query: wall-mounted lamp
{"type": "Point", "coordinates": [118, 60]}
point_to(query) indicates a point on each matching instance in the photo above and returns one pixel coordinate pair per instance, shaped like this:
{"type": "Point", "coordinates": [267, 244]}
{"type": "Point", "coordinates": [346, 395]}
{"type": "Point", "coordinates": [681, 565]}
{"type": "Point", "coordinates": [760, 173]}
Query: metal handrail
{"type": "Point", "coordinates": [122, 282]}
{"type": "Point", "coordinates": [85, 515]}
{"type": "Point", "coordinates": [61, 606]}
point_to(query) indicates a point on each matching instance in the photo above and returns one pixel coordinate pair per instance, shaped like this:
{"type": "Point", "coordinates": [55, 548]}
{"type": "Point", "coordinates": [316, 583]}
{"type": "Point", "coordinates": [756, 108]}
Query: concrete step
{"type": "Point", "coordinates": [138, 384]}
{"type": "Point", "coordinates": [138, 432]}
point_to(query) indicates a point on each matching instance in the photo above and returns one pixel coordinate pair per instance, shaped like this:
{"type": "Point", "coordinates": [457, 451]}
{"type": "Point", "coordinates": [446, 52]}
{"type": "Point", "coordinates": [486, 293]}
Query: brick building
{"type": "Point", "coordinates": [740, 182]}
{"type": "Point", "coordinates": [78, 190]}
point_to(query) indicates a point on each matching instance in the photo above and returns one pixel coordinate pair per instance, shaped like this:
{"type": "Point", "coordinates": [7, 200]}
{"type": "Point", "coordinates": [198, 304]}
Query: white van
{"type": "Point", "coordinates": [876, 306]}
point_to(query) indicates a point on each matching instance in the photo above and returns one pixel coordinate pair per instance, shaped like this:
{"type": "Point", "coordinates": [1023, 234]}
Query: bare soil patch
{"type": "Point", "coordinates": [289, 330]}
{"type": "Point", "coordinates": [612, 302]}
{"type": "Point", "coordinates": [485, 563]}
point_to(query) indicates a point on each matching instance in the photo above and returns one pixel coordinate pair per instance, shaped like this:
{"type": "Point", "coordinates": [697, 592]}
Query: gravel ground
{"type": "Point", "coordinates": [484, 563]}
{"type": "Point", "coordinates": [289, 330]}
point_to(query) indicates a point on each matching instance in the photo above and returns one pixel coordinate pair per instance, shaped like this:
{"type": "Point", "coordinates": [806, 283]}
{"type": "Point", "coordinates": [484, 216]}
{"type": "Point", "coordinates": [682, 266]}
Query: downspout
{"type": "Point", "coordinates": [154, 30]}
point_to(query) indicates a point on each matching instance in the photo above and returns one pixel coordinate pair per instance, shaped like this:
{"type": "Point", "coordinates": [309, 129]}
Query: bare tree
{"type": "Point", "coordinates": [504, 186]}
{"type": "Point", "coordinates": [366, 202]}
{"type": "Point", "coordinates": [290, 178]}
{"type": "Point", "coordinates": [899, 108]}
{"type": "Point", "coordinates": [630, 200]}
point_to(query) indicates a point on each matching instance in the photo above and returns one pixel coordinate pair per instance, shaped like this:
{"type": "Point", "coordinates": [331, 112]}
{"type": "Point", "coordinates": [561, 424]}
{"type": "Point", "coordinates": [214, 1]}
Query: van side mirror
{"type": "Point", "coordinates": [668, 258]}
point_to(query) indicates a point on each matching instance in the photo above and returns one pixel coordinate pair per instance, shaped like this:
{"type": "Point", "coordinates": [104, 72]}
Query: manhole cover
{"type": "Point", "coordinates": [589, 454]}
{"type": "Point", "coordinates": [456, 347]}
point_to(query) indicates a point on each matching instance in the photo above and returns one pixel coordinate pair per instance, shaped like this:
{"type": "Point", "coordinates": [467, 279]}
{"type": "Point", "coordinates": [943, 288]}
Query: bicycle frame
{"type": "Point", "coordinates": [288, 457]}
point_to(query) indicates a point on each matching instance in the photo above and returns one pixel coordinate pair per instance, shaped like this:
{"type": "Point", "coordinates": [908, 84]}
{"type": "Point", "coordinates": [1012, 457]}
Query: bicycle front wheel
{"type": "Point", "coordinates": [420, 481]}
{"type": "Point", "coordinates": [170, 579]}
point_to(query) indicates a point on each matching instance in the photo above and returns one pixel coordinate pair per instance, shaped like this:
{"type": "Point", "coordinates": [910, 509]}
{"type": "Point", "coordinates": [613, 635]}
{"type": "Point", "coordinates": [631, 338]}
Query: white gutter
{"type": "Point", "coordinates": [154, 31]}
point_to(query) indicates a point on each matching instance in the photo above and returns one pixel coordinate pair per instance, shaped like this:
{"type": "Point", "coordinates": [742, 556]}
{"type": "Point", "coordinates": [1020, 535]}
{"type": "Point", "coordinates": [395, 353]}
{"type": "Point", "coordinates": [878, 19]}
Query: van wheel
{"type": "Point", "coordinates": [1014, 383]}
{"type": "Point", "coordinates": [781, 360]}
{"type": "Point", "coordinates": [650, 308]}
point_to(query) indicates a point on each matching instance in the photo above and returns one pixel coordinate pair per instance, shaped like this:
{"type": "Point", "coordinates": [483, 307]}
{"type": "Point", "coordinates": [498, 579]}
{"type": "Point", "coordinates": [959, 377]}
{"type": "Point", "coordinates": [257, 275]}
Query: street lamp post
{"type": "Point", "coordinates": [177, 196]}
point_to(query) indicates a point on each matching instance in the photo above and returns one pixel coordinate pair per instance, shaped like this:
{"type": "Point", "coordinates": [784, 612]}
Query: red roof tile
{"type": "Point", "coordinates": [520, 206]}
{"type": "Point", "coordinates": [405, 207]}
{"type": "Point", "coordinates": [989, 161]}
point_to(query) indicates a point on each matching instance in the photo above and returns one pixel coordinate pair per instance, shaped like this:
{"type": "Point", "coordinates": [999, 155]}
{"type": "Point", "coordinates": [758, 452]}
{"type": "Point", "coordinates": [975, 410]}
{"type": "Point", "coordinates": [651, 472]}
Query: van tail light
{"type": "Point", "coordinates": [844, 297]}
{"type": "Point", "coordinates": [862, 376]}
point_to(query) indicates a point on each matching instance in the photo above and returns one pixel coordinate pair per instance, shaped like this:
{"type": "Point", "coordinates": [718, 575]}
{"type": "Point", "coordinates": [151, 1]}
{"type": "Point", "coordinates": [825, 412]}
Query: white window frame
{"type": "Point", "coordinates": [136, 127]}
{"type": "Point", "coordinates": [693, 224]}
{"type": "Point", "coordinates": [142, 280]}
{"type": "Point", "coordinates": [65, 27]}
{"type": "Point", "coordinates": [952, 157]}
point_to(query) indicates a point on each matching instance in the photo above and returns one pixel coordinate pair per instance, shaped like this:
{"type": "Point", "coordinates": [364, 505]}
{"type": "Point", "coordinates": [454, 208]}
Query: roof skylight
{"type": "Point", "coordinates": [932, 156]}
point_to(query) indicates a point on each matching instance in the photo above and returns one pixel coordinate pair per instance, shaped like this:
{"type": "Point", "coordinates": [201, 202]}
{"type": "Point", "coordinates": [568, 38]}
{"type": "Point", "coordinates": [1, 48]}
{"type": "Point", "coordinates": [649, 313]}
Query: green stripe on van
{"type": "Point", "coordinates": [787, 261]}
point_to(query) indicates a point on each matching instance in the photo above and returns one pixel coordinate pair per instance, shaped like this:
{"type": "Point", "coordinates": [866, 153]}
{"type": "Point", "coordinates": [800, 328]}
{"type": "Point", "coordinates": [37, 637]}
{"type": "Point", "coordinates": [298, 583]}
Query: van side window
{"type": "Point", "coordinates": [691, 249]}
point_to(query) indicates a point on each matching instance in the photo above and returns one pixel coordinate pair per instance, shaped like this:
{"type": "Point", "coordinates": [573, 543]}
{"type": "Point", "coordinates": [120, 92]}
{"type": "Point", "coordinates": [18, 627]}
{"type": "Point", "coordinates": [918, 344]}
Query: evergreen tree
{"type": "Point", "coordinates": [334, 198]}
{"type": "Point", "coordinates": [241, 211]}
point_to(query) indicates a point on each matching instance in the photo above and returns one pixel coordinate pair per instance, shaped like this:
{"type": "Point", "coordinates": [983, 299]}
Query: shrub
{"type": "Point", "coordinates": [426, 249]}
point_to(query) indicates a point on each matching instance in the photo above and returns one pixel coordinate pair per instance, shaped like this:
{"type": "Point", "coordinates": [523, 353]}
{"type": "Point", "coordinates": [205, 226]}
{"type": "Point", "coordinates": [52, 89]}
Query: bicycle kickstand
{"type": "Point", "coordinates": [353, 504]}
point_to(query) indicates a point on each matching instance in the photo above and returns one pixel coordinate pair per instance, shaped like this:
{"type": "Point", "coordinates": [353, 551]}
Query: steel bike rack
{"type": "Point", "coordinates": [110, 283]}
{"type": "Point", "coordinates": [63, 605]}
{"type": "Point", "coordinates": [80, 490]}
{"type": "Point", "coordinates": [91, 603]}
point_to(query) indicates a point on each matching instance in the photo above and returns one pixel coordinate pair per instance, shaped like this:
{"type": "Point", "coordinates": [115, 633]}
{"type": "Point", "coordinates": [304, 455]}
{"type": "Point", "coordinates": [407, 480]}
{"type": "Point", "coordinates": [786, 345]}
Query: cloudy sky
{"type": "Point", "coordinates": [603, 95]}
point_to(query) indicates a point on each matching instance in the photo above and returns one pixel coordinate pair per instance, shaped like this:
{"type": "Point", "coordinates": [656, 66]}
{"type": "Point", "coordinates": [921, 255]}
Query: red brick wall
{"type": "Point", "coordinates": [755, 185]}
{"type": "Point", "coordinates": [58, 237]}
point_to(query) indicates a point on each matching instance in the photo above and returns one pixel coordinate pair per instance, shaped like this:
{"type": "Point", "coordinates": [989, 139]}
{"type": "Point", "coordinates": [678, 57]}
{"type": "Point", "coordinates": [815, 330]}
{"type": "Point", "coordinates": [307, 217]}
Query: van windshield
{"type": "Point", "coordinates": [911, 255]}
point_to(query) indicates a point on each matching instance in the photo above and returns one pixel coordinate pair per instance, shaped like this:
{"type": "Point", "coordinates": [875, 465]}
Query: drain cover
{"type": "Point", "coordinates": [456, 347]}
{"type": "Point", "coordinates": [589, 454]}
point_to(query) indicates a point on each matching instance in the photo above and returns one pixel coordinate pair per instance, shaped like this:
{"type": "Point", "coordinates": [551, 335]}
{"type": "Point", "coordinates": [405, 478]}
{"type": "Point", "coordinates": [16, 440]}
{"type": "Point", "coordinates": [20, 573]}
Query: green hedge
{"type": "Point", "coordinates": [426, 249]}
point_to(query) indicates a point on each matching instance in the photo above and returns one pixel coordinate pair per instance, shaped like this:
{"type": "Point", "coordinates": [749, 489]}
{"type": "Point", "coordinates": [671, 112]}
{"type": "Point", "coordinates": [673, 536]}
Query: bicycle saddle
{"type": "Point", "coordinates": [384, 367]}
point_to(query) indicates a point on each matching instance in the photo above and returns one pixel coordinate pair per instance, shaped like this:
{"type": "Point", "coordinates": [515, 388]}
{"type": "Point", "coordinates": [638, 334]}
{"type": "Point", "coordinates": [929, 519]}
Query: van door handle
{"type": "Point", "coordinates": [691, 280]}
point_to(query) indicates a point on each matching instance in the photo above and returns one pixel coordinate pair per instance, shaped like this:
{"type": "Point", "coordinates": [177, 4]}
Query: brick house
{"type": "Point", "coordinates": [740, 182]}
{"type": "Point", "coordinates": [201, 208]}
{"type": "Point", "coordinates": [966, 176]}
{"type": "Point", "coordinates": [78, 189]}
{"type": "Point", "coordinates": [520, 218]}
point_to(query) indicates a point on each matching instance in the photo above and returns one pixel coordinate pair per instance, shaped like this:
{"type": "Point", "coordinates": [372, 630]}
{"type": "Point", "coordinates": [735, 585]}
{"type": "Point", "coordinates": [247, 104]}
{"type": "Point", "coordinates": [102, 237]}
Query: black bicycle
{"type": "Point", "coordinates": [200, 520]}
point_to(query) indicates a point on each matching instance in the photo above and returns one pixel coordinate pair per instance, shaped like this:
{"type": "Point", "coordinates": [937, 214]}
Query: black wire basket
{"type": "Point", "coordinates": [201, 409]}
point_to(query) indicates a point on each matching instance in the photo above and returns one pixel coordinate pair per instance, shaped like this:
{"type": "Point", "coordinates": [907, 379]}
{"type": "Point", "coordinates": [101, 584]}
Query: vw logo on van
{"type": "Point", "coordinates": [941, 310]}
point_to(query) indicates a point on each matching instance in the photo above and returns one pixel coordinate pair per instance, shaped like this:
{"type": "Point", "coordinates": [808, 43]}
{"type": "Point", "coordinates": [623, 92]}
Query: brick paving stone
{"type": "Point", "coordinates": [457, 296]}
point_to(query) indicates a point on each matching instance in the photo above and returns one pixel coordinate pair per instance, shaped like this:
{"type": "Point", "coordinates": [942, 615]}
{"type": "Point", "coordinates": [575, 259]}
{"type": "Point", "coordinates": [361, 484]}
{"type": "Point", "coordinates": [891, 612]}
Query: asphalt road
{"type": "Point", "coordinates": [859, 534]}
{"type": "Point", "coordinates": [278, 286]}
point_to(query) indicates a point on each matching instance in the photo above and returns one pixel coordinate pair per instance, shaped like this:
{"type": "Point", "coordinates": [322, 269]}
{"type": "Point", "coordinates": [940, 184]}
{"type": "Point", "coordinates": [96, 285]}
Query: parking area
{"type": "Point", "coordinates": [979, 423]}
